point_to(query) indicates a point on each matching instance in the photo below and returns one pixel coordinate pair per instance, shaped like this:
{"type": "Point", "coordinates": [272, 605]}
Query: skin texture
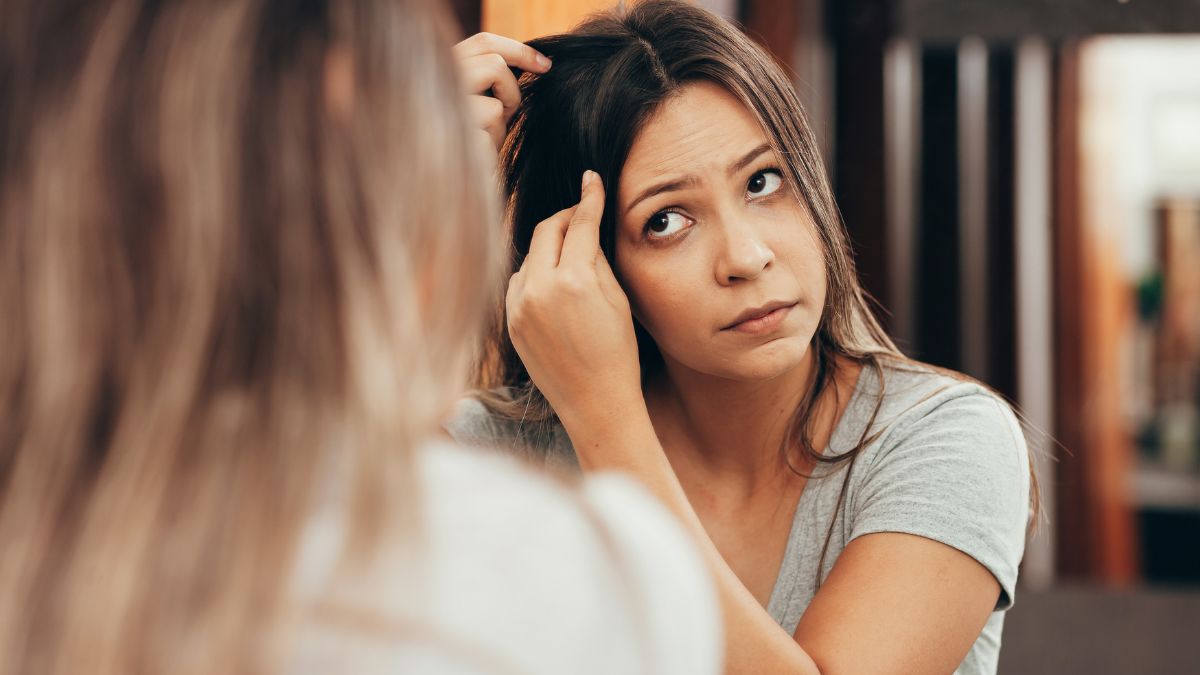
{"type": "Point", "coordinates": [704, 435]}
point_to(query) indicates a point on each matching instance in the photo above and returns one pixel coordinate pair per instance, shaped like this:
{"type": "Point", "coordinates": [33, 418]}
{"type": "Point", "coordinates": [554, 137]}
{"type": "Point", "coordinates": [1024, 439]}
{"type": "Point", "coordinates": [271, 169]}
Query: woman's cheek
{"type": "Point", "coordinates": [641, 306]}
{"type": "Point", "coordinates": [667, 310]}
{"type": "Point", "coordinates": [644, 289]}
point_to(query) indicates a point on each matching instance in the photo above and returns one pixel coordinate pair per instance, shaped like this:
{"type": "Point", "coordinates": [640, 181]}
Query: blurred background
{"type": "Point", "coordinates": [1021, 179]}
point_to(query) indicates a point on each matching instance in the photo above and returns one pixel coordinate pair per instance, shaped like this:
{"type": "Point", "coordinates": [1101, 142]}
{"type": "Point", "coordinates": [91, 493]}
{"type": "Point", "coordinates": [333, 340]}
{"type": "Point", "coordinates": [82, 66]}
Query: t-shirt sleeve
{"type": "Point", "coordinates": [545, 445]}
{"type": "Point", "coordinates": [472, 424]}
{"type": "Point", "coordinates": [958, 474]}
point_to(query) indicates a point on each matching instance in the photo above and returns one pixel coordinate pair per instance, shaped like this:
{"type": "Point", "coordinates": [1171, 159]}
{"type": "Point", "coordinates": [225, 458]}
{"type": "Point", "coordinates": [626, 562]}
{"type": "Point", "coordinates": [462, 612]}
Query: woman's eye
{"type": "Point", "coordinates": [666, 223]}
{"type": "Point", "coordinates": [764, 183]}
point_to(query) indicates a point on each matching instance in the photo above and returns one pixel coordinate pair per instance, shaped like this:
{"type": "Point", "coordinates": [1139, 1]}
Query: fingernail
{"type": "Point", "coordinates": [587, 178]}
{"type": "Point", "coordinates": [543, 61]}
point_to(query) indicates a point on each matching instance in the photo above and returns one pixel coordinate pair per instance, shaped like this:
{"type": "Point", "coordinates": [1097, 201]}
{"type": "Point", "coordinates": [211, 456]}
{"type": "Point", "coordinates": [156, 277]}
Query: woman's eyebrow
{"type": "Point", "coordinates": [668, 186]}
{"type": "Point", "coordinates": [747, 158]}
{"type": "Point", "coordinates": [691, 180]}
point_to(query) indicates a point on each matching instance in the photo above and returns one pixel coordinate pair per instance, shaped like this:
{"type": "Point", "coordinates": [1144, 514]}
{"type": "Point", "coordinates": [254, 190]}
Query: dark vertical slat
{"type": "Point", "coordinates": [937, 257]}
{"type": "Point", "coordinates": [468, 13]}
{"type": "Point", "coordinates": [1002, 306]}
{"type": "Point", "coordinates": [860, 29]}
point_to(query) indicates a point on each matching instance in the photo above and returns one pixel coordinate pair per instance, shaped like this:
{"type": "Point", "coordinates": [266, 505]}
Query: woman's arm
{"type": "Point", "coordinates": [897, 603]}
{"type": "Point", "coordinates": [754, 643]}
{"type": "Point", "coordinates": [893, 604]}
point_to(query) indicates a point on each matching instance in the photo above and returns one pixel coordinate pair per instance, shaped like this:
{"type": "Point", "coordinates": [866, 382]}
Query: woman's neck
{"type": "Point", "coordinates": [736, 429]}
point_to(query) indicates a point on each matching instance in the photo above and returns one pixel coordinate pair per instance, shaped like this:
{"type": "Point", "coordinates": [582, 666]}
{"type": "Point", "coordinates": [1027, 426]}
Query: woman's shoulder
{"type": "Point", "coordinates": [543, 442]}
{"type": "Point", "coordinates": [909, 395]}
{"type": "Point", "coordinates": [949, 463]}
{"type": "Point", "coordinates": [473, 423]}
{"type": "Point", "coordinates": [945, 426]}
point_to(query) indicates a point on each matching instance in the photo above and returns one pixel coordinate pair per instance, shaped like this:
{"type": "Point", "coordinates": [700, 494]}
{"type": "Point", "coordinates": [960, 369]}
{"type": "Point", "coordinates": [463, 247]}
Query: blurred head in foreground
{"type": "Point", "coordinates": [217, 263]}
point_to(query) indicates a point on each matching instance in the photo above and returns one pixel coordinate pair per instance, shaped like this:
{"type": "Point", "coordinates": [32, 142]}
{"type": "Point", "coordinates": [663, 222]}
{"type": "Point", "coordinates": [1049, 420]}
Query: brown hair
{"type": "Point", "coordinates": [216, 284]}
{"type": "Point", "coordinates": [611, 74]}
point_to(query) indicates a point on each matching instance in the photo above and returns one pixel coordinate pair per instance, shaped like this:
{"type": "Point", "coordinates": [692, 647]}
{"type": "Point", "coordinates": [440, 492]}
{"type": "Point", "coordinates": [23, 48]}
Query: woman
{"type": "Point", "coordinates": [689, 313]}
{"type": "Point", "coordinates": [232, 314]}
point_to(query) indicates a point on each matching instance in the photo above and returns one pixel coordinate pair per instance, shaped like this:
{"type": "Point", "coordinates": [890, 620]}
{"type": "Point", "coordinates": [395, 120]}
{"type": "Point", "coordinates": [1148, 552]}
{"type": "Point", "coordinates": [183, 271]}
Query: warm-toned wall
{"type": "Point", "coordinates": [527, 19]}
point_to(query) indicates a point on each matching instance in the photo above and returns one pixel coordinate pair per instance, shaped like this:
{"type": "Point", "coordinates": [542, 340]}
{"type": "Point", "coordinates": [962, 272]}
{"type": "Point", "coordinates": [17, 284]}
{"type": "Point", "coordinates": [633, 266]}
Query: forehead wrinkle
{"type": "Point", "coordinates": [690, 137]}
{"type": "Point", "coordinates": [674, 156]}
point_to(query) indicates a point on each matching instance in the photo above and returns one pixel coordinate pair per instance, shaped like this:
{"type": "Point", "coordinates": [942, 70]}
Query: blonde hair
{"type": "Point", "coordinates": [216, 282]}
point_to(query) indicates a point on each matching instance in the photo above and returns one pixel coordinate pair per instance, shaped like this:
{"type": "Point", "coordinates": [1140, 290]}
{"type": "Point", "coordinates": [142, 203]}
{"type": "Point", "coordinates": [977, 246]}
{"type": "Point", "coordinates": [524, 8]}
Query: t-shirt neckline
{"type": "Point", "coordinates": [843, 430]}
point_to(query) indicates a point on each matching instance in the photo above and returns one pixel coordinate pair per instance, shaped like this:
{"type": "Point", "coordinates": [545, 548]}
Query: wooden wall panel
{"type": "Point", "coordinates": [1096, 538]}
{"type": "Point", "coordinates": [774, 24]}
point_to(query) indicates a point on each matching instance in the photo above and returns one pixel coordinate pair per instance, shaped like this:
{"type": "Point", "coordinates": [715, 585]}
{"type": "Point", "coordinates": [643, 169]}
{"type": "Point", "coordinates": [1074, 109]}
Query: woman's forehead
{"type": "Point", "coordinates": [700, 132]}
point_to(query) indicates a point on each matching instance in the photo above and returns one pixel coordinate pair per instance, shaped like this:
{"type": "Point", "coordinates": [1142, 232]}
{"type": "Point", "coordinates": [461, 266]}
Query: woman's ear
{"type": "Point", "coordinates": [339, 82]}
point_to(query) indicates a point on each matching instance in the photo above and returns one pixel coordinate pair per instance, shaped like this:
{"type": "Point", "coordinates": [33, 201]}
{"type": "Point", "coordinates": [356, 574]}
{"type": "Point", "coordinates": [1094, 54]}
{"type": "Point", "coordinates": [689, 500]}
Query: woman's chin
{"type": "Point", "coordinates": [762, 362]}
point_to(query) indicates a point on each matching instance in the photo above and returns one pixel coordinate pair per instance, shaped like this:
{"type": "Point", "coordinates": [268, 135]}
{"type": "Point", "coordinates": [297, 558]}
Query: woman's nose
{"type": "Point", "coordinates": [743, 254]}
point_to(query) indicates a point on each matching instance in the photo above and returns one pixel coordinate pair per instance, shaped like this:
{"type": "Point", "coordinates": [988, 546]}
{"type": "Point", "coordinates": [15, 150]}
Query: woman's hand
{"type": "Point", "coordinates": [569, 319]}
{"type": "Point", "coordinates": [484, 60]}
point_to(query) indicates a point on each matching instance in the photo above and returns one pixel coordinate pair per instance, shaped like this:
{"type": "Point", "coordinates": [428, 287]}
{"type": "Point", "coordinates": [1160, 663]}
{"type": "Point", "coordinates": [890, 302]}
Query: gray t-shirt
{"type": "Point", "coordinates": [949, 463]}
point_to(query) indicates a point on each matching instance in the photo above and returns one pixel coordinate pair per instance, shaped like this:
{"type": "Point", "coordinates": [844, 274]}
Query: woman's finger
{"type": "Point", "coordinates": [489, 72]}
{"type": "Point", "coordinates": [516, 284]}
{"type": "Point", "coordinates": [608, 281]}
{"type": "Point", "coordinates": [488, 114]}
{"type": "Point", "coordinates": [581, 243]}
{"type": "Point", "coordinates": [515, 54]}
{"type": "Point", "coordinates": [546, 245]}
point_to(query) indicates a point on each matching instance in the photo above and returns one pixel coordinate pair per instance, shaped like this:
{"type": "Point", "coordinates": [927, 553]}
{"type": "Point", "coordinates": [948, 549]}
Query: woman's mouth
{"type": "Point", "coordinates": [761, 320]}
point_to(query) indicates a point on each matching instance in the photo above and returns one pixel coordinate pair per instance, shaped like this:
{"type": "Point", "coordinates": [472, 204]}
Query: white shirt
{"type": "Point", "coordinates": [514, 572]}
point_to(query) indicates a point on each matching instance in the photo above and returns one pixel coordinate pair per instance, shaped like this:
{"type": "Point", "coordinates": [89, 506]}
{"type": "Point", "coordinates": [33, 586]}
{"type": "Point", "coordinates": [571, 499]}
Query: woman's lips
{"type": "Point", "coordinates": [764, 323]}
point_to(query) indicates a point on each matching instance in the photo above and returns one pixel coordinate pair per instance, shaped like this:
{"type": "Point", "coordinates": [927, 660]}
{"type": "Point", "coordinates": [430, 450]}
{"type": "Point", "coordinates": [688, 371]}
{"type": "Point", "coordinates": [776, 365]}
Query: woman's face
{"type": "Point", "coordinates": [721, 262]}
